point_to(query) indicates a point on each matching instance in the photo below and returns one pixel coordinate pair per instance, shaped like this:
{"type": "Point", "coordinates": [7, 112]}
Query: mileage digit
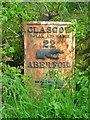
{"type": "Point", "coordinates": [52, 43]}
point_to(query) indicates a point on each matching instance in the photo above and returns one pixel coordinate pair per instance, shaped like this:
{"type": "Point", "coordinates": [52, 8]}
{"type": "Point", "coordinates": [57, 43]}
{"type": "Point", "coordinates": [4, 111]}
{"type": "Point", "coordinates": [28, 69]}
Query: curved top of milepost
{"type": "Point", "coordinates": [47, 23]}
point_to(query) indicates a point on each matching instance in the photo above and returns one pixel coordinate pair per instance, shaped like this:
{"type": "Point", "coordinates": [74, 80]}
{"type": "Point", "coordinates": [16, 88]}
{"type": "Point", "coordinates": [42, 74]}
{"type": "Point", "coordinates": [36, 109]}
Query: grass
{"type": "Point", "coordinates": [22, 100]}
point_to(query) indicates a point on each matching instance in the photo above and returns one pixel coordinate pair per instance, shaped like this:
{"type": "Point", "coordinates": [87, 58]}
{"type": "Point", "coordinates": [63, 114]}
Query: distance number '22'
{"type": "Point", "coordinates": [47, 43]}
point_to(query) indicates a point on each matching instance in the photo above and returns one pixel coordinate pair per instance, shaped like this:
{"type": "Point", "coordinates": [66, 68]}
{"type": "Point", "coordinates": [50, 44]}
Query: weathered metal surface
{"type": "Point", "coordinates": [48, 47]}
{"type": "Point", "coordinates": [48, 53]}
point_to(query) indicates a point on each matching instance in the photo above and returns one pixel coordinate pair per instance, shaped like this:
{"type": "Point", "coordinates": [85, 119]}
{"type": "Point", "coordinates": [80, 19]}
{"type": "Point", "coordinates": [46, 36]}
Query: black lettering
{"type": "Point", "coordinates": [39, 36]}
{"type": "Point", "coordinates": [52, 43]}
{"type": "Point", "coordinates": [54, 64]}
{"type": "Point", "coordinates": [50, 35]}
{"type": "Point", "coordinates": [32, 35]}
{"type": "Point", "coordinates": [42, 30]}
{"type": "Point", "coordinates": [64, 64]}
{"type": "Point", "coordinates": [62, 36]}
{"type": "Point", "coordinates": [30, 30]}
{"type": "Point", "coordinates": [60, 64]}
{"type": "Point", "coordinates": [41, 64]}
{"type": "Point", "coordinates": [35, 30]}
{"type": "Point", "coordinates": [48, 64]}
{"type": "Point", "coordinates": [61, 29]}
{"type": "Point", "coordinates": [54, 30]}
{"type": "Point", "coordinates": [45, 43]}
{"type": "Point", "coordinates": [35, 64]}
{"type": "Point", "coordinates": [49, 30]}
{"type": "Point", "coordinates": [30, 65]}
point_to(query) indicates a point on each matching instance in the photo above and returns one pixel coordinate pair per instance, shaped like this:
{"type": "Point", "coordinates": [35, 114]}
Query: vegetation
{"type": "Point", "coordinates": [18, 102]}
{"type": "Point", "coordinates": [70, 101]}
